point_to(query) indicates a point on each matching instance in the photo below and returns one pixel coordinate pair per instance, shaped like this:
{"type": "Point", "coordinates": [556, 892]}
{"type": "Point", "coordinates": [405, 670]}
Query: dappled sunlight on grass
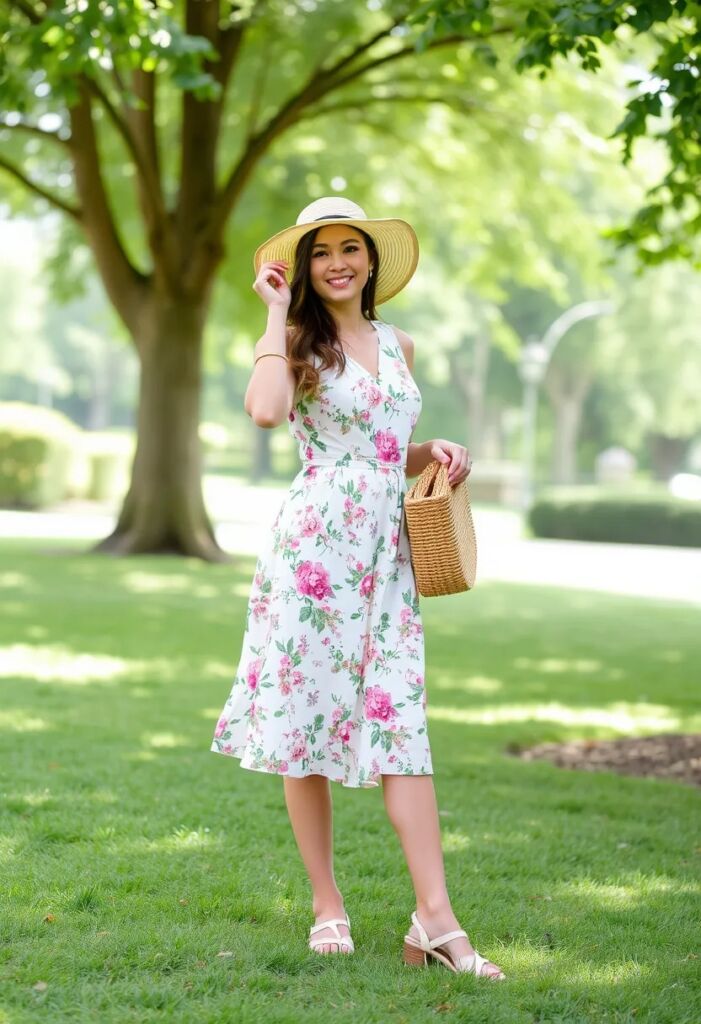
{"type": "Point", "coordinates": [617, 896]}
{"type": "Point", "coordinates": [453, 841]}
{"type": "Point", "coordinates": [55, 663]}
{"type": "Point", "coordinates": [470, 684]}
{"type": "Point", "coordinates": [22, 720]}
{"type": "Point", "coordinates": [219, 670]}
{"type": "Point", "coordinates": [163, 739]}
{"type": "Point", "coordinates": [15, 579]}
{"type": "Point", "coordinates": [158, 583]}
{"type": "Point", "coordinates": [180, 838]}
{"type": "Point", "coordinates": [621, 716]}
{"type": "Point", "coordinates": [32, 799]}
{"type": "Point", "coordinates": [580, 666]}
{"type": "Point", "coordinates": [669, 657]}
{"type": "Point", "coordinates": [242, 589]}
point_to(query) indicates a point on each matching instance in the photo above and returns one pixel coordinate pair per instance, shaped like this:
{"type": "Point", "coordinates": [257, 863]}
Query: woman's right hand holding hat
{"type": "Point", "coordinates": [271, 284]}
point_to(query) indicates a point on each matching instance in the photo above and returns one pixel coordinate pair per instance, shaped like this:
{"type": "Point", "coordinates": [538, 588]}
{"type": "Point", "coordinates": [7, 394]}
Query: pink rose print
{"type": "Point", "coordinates": [221, 726]}
{"type": "Point", "coordinates": [367, 584]}
{"type": "Point", "coordinates": [313, 580]}
{"type": "Point", "coordinates": [373, 395]}
{"type": "Point", "coordinates": [311, 523]}
{"type": "Point", "coordinates": [344, 732]}
{"type": "Point", "coordinates": [254, 674]}
{"type": "Point", "coordinates": [291, 416]}
{"type": "Point", "coordinates": [387, 446]}
{"type": "Point", "coordinates": [378, 704]}
{"type": "Point", "coordinates": [299, 750]}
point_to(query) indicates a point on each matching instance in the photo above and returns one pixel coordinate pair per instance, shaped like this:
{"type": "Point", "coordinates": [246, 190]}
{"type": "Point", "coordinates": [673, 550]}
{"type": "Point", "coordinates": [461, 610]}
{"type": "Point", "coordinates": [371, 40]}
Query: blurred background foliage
{"type": "Point", "coordinates": [514, 185]}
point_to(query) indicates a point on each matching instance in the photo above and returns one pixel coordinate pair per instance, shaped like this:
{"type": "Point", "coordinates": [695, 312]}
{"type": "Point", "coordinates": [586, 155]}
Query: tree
{"type": "Point", "coordinates": [666, 100]}
{"type": "Point", "coordinates": [78, 78]}
{"type": "Point", "coordinates": [652, 381]}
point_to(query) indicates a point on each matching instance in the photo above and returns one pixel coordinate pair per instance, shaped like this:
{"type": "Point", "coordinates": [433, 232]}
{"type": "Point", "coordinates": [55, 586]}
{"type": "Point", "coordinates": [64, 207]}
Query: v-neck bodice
{"type": "Point", "coordinates": [358, 414]}
{"type": "Point", "coordinates": [374, 377]}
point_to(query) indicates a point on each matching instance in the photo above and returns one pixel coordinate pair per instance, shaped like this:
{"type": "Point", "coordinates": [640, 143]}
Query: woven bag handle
{"type": "Point", "coordinates": [432, 482]}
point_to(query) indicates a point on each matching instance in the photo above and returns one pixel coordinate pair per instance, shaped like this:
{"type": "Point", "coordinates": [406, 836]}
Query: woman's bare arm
{"type": "Point", "coordinates": [270, 391]}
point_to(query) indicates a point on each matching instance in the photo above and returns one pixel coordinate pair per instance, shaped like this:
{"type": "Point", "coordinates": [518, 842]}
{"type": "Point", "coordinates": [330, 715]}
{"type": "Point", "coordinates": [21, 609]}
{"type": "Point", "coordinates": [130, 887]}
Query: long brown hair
{"type": "Point", "coordinates": [313, 328]}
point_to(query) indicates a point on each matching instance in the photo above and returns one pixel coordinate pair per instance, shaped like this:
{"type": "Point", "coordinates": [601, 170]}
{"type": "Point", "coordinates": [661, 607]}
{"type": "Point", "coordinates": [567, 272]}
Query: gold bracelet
{"type": "Point", "coordinates": [264, 354]}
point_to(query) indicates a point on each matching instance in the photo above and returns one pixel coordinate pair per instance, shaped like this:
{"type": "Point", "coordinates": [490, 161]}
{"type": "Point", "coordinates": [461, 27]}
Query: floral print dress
{"type": "Point", "coordinates": [330, 679]}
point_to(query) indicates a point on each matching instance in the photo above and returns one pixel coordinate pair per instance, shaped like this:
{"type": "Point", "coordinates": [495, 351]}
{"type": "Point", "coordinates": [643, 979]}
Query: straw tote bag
{"type": "Point", "coordinates": [441, 533]}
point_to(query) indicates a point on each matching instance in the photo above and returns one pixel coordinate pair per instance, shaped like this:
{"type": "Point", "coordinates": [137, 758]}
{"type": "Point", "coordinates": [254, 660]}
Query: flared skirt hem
{"type": "Point", "coordinates": [299, 773]}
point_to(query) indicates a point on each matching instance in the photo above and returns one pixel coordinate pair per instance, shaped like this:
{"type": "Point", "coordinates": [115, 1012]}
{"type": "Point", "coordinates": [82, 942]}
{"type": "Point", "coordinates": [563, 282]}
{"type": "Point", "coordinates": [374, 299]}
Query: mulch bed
{"type": "Point", "coordinates": [675, 756]}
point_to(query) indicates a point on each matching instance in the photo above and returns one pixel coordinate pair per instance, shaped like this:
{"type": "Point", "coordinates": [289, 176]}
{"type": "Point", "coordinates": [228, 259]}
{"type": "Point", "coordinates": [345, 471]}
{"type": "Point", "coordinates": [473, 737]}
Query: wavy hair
{"type": "Point", "coordinates": [314, 330]}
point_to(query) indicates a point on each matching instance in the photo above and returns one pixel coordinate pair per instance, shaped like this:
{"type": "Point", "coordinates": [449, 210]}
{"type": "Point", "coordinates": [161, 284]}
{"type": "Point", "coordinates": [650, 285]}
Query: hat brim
{"type": "Point", "coordinates": [396, 242]}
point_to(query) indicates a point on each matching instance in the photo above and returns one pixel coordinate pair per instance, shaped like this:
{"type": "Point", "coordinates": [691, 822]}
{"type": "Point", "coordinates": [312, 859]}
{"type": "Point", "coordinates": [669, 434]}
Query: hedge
{"type": "Point", "coordinates": [617, 518]}
{"type": "Point", "coordinates": [37, 448]}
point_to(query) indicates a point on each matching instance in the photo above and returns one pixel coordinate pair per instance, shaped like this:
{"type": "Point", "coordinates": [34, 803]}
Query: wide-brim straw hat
{"type": "Point", "coordinates": [395, 239]}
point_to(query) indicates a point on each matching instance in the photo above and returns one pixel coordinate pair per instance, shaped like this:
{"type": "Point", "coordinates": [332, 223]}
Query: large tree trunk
{"type": "Point", "coordinates": [164, 510]}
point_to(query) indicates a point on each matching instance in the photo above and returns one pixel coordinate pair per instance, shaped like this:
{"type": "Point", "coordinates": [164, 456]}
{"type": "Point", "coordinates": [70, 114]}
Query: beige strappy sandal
{"type": "Point", "coordinates": [340, 940]}
{"type": "Point", "coordinates": [416, 953]}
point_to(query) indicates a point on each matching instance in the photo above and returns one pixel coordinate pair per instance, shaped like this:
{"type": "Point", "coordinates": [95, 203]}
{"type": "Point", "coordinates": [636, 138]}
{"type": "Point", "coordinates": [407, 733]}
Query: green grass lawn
{"type": "Point", "coordinates": [145, 878]}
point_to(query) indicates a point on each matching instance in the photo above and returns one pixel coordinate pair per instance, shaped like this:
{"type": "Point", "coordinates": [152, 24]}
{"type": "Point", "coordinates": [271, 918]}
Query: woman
{"type": "Point", "coordinates": [330, 683]}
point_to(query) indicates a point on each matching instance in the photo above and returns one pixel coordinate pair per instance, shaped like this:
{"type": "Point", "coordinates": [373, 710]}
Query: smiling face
{"type": "Point", "coordinates": [339, 264]}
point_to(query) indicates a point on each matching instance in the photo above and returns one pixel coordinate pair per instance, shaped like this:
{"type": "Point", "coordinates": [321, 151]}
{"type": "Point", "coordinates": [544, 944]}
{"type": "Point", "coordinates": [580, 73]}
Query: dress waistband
{"type": "Point", "coordinates": [343, 460]}
{"type": "Point", "coordinates": [347, 460]}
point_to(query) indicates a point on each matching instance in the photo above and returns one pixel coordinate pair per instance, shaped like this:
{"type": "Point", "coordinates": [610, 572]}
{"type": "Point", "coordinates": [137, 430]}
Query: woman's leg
{"type": "Point", "coordinates": [410, 801]}
{"type": "Point", "coordinates": [311, 814]}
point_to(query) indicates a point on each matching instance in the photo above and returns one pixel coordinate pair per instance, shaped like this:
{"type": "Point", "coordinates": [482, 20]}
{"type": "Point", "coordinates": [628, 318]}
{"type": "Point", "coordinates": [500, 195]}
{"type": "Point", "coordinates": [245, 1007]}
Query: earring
{"type": "Point", "coordinates": [370, 274]}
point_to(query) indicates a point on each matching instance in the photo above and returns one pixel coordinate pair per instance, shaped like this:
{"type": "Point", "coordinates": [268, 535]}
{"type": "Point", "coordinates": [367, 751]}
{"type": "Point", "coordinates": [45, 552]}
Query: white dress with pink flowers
{"type": "Point", "coordinates": [330, 679]}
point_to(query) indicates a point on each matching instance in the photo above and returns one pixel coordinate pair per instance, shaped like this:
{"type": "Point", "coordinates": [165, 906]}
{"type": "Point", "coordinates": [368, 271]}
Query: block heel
{"type": "Point", "coordinates": [413, 956]}
{"type": "Point", "coordinates": [417, 953]}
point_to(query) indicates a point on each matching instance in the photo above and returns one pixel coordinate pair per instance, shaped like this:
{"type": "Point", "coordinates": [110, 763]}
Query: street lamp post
{"type": "Point", "coordinates": [533, 365]}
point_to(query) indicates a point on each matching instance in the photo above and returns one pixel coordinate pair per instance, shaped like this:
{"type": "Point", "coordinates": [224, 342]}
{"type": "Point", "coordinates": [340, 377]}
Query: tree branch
{"type": "Point", "coordinates": [123, 282]}
{"type": "Point", "coordinates": [201, 123]}
{"type": "Point", "coordinates": [27, 10]}
{"type": "Point", "coordinates": [201, 136]}
{"type": "Point", "coordinates": [336, 68]}
{"type": "Point", "coordinates": [409, 51]}
{"type": "Point", "coordinates": [361, 102]}
{"type": "Point", "coordinates": [72, 211]}
{"type": "Point", "coordinates": [313, 90]}
{"type": "Point", "coordinates": [141, 124]}
{"type": "Point", "coordinates": [124, 131]}
{"type": "Point", "coordinates": [33, 129]}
